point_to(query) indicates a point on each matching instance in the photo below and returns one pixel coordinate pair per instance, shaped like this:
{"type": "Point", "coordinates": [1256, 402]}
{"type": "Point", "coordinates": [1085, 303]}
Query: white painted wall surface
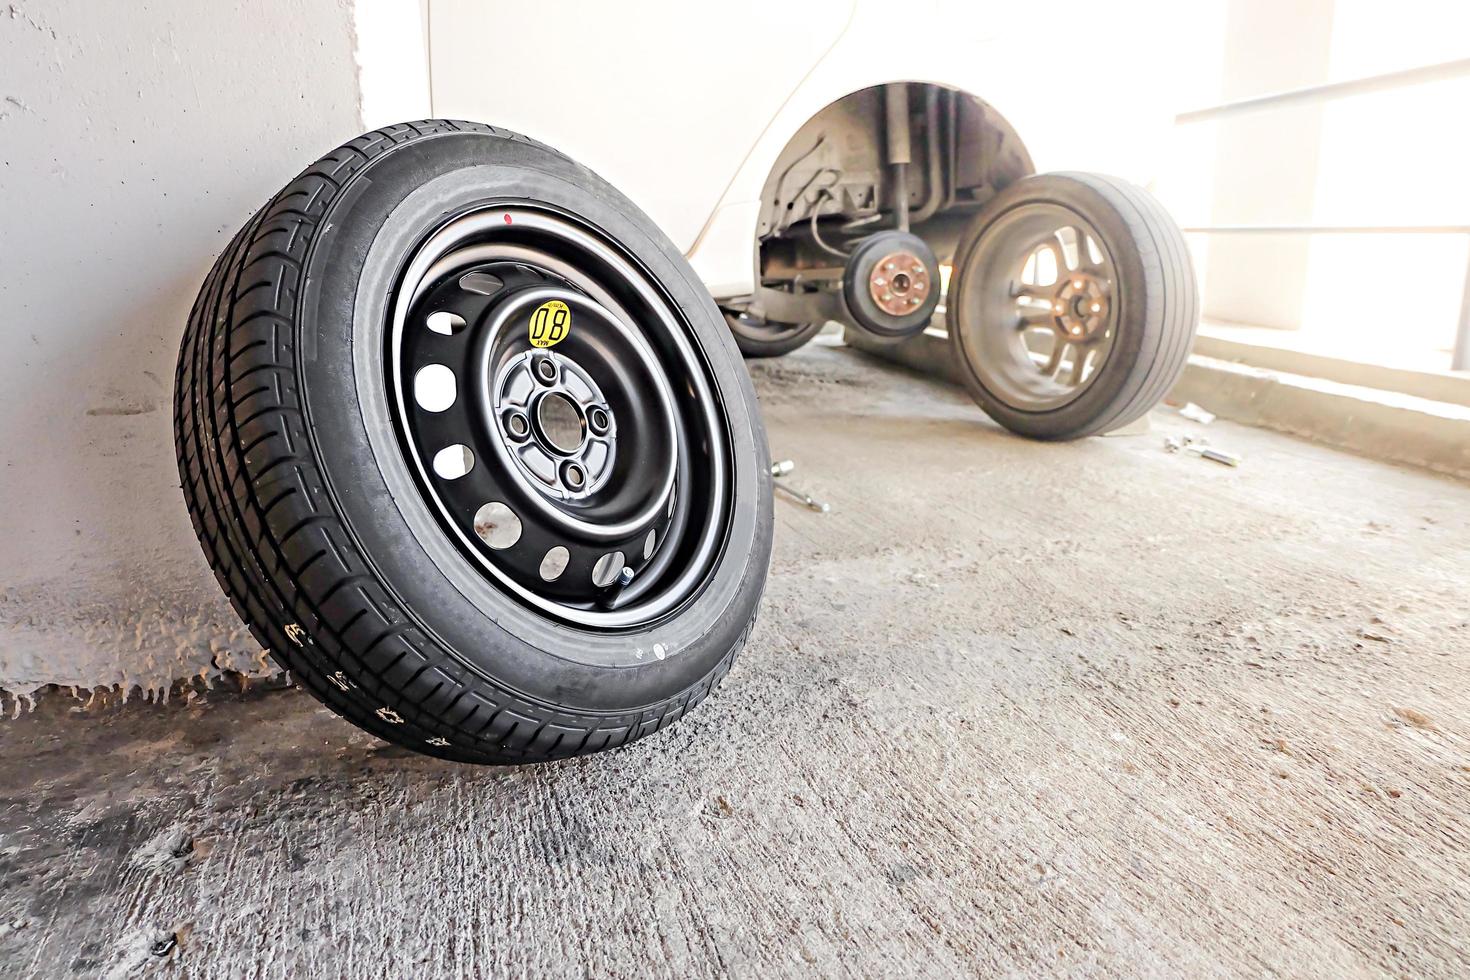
{"type": "Point", "coordinates": [134, 140]}
{"type": "Point", "coordinates": [662, 98]}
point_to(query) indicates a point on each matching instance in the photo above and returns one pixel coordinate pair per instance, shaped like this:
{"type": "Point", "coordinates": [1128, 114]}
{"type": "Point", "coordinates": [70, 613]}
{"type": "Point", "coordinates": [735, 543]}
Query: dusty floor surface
{"type": "Point", "coordinates": [1011, 708]}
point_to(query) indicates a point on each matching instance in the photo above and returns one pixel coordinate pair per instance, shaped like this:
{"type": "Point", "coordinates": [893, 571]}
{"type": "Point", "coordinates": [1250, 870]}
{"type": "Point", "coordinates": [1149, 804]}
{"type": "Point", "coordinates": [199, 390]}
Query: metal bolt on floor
{"type": "Point", "coordinates": [780, 468]}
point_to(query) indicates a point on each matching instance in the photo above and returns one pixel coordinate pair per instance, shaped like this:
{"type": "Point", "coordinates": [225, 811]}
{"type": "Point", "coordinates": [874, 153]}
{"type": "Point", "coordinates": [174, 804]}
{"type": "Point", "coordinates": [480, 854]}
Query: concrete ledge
{"type": "Point", "coordinates": [1383, 425]}
{"type": "Point", "coordinates": [1234, 344]}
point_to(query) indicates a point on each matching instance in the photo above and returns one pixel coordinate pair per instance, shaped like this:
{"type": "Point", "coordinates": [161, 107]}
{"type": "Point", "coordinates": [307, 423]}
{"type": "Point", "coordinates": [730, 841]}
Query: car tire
{"type": "Point", "coordinates": [357, 566]}
{"type": "Point", "coordinates": [1134, 271]}
{"type": "Point", "coordinates": [765, 338]}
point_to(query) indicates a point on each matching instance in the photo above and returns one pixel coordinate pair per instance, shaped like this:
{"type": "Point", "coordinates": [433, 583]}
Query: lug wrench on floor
{"type": "Point", "coordinates": [780, 468]}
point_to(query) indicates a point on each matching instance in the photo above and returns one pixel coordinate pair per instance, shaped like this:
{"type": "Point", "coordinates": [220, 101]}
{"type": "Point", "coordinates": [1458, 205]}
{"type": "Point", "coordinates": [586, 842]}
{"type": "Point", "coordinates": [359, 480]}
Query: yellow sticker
{"type": "Point", "coordinates": [550, 324]}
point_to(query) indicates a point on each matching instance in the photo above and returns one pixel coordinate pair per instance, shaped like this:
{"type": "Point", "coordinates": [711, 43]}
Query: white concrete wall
{"type": "Point", "coordinates": [135, 138]}
{"type": "Point", "coordinates": [1266, 164]}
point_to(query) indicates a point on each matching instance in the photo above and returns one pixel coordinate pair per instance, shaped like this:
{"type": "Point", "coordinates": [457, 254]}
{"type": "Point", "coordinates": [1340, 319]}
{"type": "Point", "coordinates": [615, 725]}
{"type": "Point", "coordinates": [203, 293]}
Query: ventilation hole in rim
{"type": "Point", "coordinates": [445, 322]}
{"type": "Point", "coordinates": [605, 572]}
{"type": "Point", "coordinates": [1047, 269]}
{"type": "Point", "coordinates": [555, 563]}
{"type": "Point", "coordinates": [480, 282]}
{"type": "Point", "coordinates": [497, 525]}
{"type": "Point", "coordinates": [434, 388]}
{"type": "Point", "coordinates": [649, 543]}
{"type": "Point", "coordinates": [453, 462]}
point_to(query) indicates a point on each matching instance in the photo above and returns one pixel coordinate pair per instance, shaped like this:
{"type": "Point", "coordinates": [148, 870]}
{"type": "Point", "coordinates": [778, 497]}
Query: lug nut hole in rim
{"type": "Point", "coordinates": [598, 420]}
{"type": "Point", "coordinates": [566, 420]}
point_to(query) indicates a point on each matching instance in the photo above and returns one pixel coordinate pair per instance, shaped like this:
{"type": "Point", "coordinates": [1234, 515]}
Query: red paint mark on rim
{"type": "Point", "coordinates": [507, 219]}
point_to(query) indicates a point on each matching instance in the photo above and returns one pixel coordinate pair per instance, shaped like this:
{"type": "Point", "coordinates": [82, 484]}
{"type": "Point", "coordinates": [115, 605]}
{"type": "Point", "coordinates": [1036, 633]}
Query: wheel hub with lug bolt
{"type": "Point", "coordinates": [890, 284]}
{"type": "Point", "coordinates": [1079, 305]}
{"type": "Point", "coordinates": [899, 283]}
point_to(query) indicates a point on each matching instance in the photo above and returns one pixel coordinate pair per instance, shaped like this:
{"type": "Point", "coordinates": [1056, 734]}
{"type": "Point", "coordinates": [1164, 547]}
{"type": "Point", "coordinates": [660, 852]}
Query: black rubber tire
{"type": "Point", "coordinates": [1158, 298]}
{"type": "Point", "coordinates": [300, 518]}
{"type": "Point", "coordinates": [785, 338]}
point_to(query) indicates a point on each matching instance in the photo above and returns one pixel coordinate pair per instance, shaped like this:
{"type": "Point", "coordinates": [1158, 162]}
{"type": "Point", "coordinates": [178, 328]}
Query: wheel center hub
{"type": "Point", "coordinates": [555, 423]}
{"type": "Point", "coordinates": [899, 283]}
{"type": "Point", "coordinates": [1081, 305]}
{"type": "Point", "coordinates": [559, 423]}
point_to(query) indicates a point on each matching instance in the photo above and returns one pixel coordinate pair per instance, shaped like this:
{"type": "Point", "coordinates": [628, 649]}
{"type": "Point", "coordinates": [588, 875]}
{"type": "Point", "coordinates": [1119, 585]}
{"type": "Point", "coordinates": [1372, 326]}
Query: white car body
{"type": "Point", "coordinates": [685, 107]}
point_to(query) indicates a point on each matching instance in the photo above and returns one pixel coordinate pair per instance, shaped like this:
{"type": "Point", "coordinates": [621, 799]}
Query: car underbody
{"type": "Point", "coordinates": [904, 157]}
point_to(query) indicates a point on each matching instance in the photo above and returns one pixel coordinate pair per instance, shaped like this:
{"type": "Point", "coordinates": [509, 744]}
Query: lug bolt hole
{"type": "Point", "coordinates": [517, 425]}
{"type": "Point", "coordinates": [573, 476]}
{"type": "Point", "coordinates": [598, 420]}
{"type": "Point", "coordinates": [545, 370]}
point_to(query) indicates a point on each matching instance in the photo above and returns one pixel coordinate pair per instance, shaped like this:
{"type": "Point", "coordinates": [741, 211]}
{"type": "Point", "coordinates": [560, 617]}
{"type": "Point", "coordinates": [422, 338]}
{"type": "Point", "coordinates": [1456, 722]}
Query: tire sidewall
{"type": "Point", "coordinates": [351, 274]}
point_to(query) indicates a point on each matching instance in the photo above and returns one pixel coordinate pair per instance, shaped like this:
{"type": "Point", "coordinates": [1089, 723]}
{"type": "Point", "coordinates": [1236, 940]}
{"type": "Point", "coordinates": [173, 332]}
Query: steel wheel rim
{"type": "Point", "coordinates": [1041, 315]}
{"type": "Point", "coordinates": [634, 488]}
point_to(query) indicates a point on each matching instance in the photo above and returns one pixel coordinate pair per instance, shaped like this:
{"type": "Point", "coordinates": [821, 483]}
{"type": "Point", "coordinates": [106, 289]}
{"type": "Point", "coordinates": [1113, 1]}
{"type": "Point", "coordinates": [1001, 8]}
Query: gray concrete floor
{"type": "Point", "coordinates": [1012, 707]}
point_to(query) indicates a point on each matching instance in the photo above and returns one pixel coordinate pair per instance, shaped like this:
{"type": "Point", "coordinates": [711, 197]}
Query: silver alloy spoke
{"type": "Point", "coordinates": [1042, 294]}
{"type": "Point", "coordinates": [1054, 362]}
{"type": "Point", "coordinates": [1084, 259]}
{"type": "Point", "coordinates": [1080, 356]}
{"type": "Point", "coordinates": [1032, 316]}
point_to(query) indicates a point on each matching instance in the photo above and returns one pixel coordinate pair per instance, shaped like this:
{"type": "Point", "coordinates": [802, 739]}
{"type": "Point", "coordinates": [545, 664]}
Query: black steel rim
{"type": "Point", "coordinates": [559, 416]}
